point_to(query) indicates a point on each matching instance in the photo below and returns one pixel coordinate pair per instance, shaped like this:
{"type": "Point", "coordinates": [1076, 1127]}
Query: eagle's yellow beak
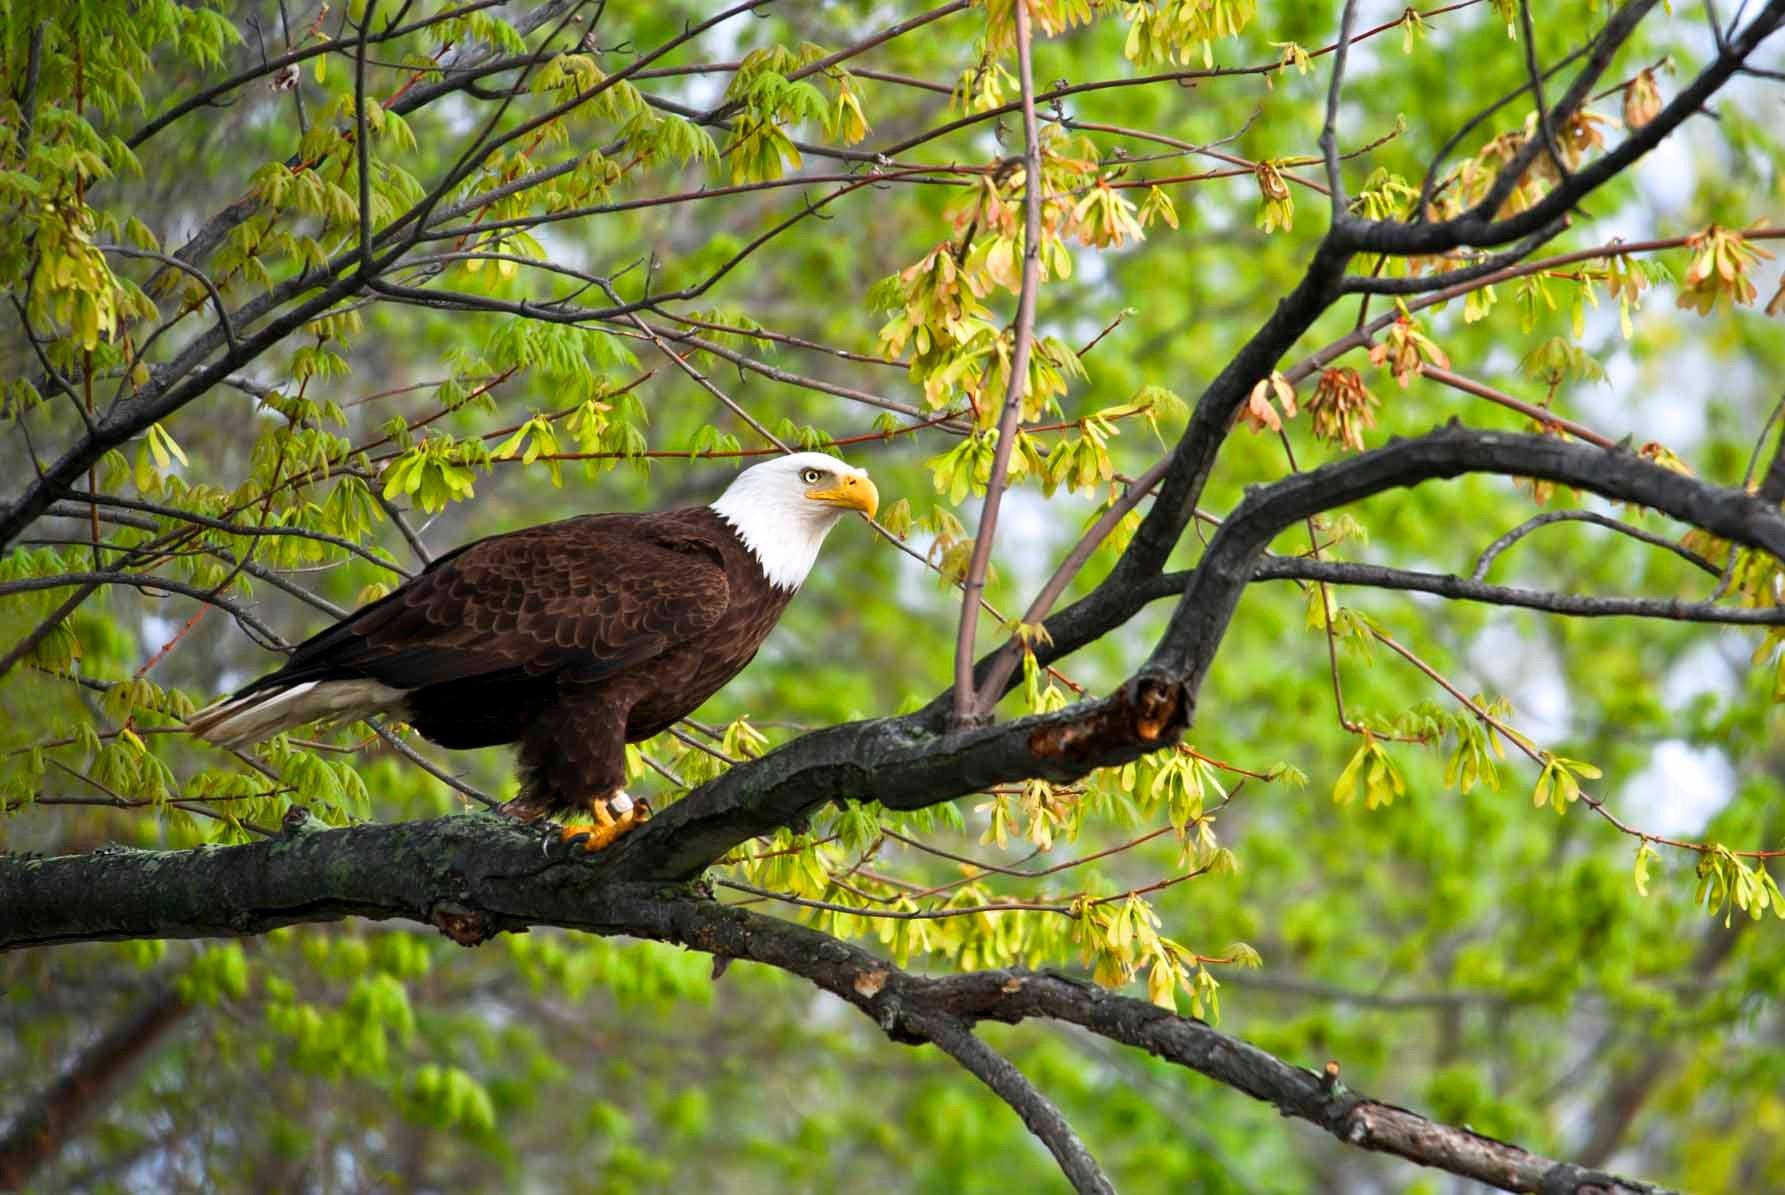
{"type": "Point", "coordinates": [854, 491]}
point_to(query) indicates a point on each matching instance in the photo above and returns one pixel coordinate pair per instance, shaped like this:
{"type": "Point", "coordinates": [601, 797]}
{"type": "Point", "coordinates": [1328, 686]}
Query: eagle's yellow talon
{"type": "Point", "coordinates": [606, 827]}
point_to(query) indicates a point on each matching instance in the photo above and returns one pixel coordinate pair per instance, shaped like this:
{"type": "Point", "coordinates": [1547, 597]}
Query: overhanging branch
{"type": "Point", "coordinates": [1231, 562]}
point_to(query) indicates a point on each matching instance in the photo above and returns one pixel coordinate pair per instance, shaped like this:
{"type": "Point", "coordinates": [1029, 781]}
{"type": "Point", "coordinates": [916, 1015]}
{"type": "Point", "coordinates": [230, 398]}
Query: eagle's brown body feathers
{"type": "Point", "coordinates": [570, 638]}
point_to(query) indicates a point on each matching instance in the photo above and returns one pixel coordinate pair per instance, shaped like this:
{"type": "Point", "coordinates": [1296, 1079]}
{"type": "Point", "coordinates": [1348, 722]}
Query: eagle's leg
{"type": "Point", "coordinates": [614, 814]}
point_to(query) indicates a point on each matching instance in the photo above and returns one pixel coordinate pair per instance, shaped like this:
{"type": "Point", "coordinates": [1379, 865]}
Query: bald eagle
{"type": "Point", "coordinates": [571, 638]}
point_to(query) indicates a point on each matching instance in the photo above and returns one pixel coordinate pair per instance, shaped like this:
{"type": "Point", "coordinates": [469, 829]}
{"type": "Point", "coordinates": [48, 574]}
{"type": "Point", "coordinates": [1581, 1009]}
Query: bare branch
{"type": "Point", "coordinates": [681, 362]}
{"type": "Point", "coordinates": [1329, 137]}
{"type": "Point", "coordinates": [1772, 485]}
{"type": "Point", "coordinates": [1424, 284]}
{"type": "Point", "coordinates": [229, 528]}
{"type": "Point", "coordinates": [776, 373]}
{"type": "Point", "coordinates": [1038, 1112]}
{"type": "Point", "coordinates": [263, 634]}
{"type": "Point", "coordinates": [1542, 415]}
{"type": "Point", "coordinates": [1199, 623]}
{"type": "Point", "coordinates": [401, 521]}
{"type": "Point", "coordinates": [1292, 568]}
{"type": "Point", "coordinates": [425, 764]}
{"type": "Point", "coordinates": [1546, 133]}
{"type": "Point", "coordinates": [204, 280]}
{"type": "Point", "coordinates": [1493, 550]}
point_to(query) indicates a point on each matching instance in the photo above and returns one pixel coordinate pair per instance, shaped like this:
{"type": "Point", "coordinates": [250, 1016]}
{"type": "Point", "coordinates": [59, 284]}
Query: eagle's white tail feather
{"type": "Point", "coordinates": [234, 722]}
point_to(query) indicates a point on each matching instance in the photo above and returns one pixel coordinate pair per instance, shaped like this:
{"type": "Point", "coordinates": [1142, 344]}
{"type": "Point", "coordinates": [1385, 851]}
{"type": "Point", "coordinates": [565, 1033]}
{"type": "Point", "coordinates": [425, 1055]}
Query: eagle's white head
{"type": "Point", "coordinates": [783, 508]}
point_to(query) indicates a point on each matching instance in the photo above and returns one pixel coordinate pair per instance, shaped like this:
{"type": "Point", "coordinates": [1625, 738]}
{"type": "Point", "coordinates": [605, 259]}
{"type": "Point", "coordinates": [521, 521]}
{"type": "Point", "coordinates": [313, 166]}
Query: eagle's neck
{"type": "Point", "coordinates": [782, 530]}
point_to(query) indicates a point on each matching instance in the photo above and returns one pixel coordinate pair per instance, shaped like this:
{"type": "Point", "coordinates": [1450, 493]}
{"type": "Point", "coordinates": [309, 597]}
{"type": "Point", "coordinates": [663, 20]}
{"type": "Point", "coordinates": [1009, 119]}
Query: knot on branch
{"type": "Point", "coordinates": [1351, 1121]}
{"type": "Point", "coordinates": [879, 992]}
{"type": "Point", "coordinates": [1147, 713]}
{"type": "Point", "coordinates": [464, 925]}
{"type": "Point", "coordinates": [899, 1023]}
{"type": "Point", "coordinates": [297, 820]}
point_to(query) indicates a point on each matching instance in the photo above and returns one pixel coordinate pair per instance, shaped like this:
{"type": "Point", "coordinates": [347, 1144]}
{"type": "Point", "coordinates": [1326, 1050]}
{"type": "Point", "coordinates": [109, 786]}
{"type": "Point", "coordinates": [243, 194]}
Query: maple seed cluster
{"type": "Point", "coordinates": [1341, 408]}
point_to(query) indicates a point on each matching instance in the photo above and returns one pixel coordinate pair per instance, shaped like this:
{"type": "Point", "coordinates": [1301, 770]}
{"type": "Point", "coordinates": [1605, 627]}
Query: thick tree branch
{"type": "Point", "coordinates": [1463, 131]}
{"type": "Point", "coordinates": [1425, 284]}
{"type": "Point", "coordinates": [1194, 456]}
{"type": "Point", "coordinates": [1619, 28]}
{"type": "Point", "coordinates": [475, 876]}
{"type": "Point", "coordinates": [1231, 561]}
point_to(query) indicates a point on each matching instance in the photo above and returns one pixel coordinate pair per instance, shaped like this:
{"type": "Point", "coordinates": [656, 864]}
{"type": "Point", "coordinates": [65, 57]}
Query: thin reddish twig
{"type": "Point", "coordinates": [968, 704]}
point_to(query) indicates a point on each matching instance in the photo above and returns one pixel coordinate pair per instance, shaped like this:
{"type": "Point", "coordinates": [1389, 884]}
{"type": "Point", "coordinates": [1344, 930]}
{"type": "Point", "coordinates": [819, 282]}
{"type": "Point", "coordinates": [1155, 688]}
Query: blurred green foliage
{"type": "Point", "coordinates": [1544, 978]}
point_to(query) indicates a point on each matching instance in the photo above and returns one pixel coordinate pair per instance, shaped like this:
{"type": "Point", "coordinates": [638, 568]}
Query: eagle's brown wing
{"type": "Point", "coordinates": [580, 599]}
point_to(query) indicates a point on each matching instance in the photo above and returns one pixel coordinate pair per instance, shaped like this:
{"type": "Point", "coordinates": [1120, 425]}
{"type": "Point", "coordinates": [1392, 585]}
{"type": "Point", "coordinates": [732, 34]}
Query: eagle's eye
{"type": "Point", "coordinates": [810, 476]}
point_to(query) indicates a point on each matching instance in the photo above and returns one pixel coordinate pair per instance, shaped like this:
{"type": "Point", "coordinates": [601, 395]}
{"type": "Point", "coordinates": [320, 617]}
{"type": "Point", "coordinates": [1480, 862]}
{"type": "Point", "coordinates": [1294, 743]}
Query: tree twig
{"type": "Point", "coordinates": [1329, 139]}
{"type": "Point", "coordinates": [968, 706]}
{"type": "Point", "coordinates": [1038, 1112]}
